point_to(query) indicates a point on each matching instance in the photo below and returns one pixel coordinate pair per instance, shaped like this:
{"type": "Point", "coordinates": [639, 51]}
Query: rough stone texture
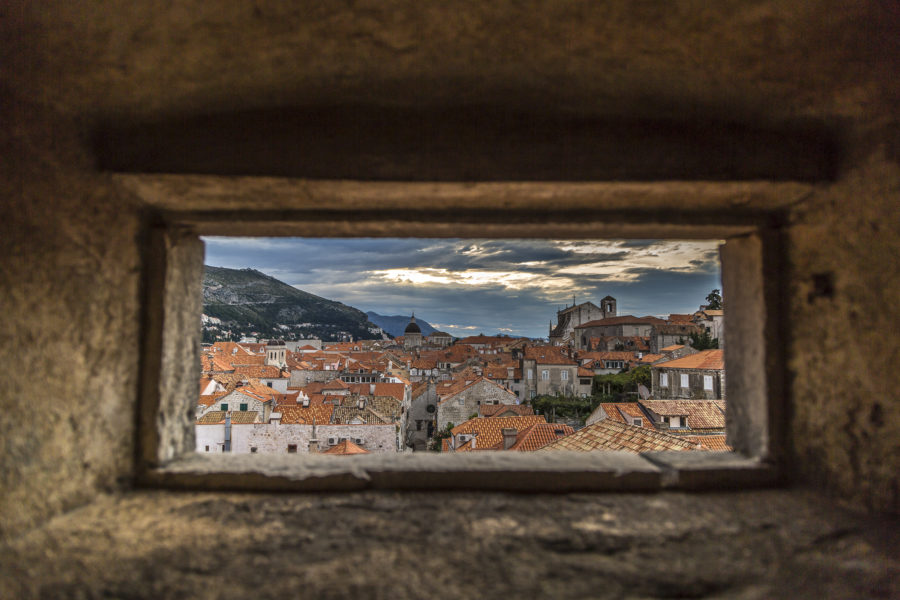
{"type": "Point", "coordinates": [755, 545]}
{"type": "Point", "coordinates": [69, 281]}
{"type": "Point", "coordinates": [748, 391]}
{"type": "Point", "coordinates": [70, 275]}
{"type": "Point", "coordinates": [844, 349]}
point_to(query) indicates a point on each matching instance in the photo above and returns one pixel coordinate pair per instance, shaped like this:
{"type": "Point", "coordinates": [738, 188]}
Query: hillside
{"type": "Point", "coordinates": [396, 324]}
{"type": "Point", "coordinates": [248, 302]}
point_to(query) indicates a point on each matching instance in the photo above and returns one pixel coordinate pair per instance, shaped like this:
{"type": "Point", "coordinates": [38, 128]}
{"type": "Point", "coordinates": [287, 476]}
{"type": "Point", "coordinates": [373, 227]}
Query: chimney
{"type": "Point", "coordinates": [313, 446]}
{"type": "Point", "coordinates": [371, 389]}
{"type": "Point", "coordinates": [361, 403]}
{"type": "Point", "coordinates": [509, 437]}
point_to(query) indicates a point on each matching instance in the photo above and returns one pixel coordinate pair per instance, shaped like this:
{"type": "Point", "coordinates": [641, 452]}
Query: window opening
{"type": "Point", "coordinates": [442, 351]}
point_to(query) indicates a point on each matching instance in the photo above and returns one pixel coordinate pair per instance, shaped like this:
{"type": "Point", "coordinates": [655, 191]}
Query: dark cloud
{"type": "Point", "coordinates": [343, 269]}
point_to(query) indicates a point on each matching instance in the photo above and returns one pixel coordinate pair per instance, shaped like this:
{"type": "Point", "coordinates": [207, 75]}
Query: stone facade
{"type": "Point", "coordinates": [571, 317]}
{"type": "Point", "coordinates": [669, 384]}
{"type": "Point", "coordinates": [459, 407]}
{"type": "Point", "coordinates": [270, 438]}
{"type": "Point", "coordinates": [421, 417]}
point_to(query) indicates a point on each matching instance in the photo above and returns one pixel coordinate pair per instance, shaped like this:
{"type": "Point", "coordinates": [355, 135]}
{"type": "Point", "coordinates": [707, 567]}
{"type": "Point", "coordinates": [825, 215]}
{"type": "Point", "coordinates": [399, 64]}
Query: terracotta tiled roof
{"type": "Point", "coordinates": [396, 390]}
{"type": "Point", "coordinates": [680, 318]}
{"type": "Point", "coordinates": [714, 443]}
{"type": "Point", "coordinates": [649, 359]}
{"type": "Point", "coordinates": [706, 360]}
{"type": "Point", "coordinates": [229, 348]}
{"type": "Point", "coordinates": [713, 312]}
{"type": "Point", "coordinates": [423, 363]}
{"type": "Point", "coordinates": [260, 371]}
{"type": "Point", "coordinates": [490, 431]}
{"type": "Point", "coordinates": [701, 414]}
{"type": "Point", "coordinates": [246, 360]}
{"type": "Point", "coordinates": [294, 415]}
{"type": "Point", "coordinates": [608, 355]}
{"type": "Point", "coordinates": [336, 384]}
{"type": "Point", "coordinates": [623, 320]}
{"type": "Point", "coordinates": [502, 372]}
{"type": "Point", "coordinates": [548, 355]}
{"type": "Point", "coordinates": [213, 417]}
{"type": "Point", "coordinates": [344, 415]}
{"type": "Point", "coordinates": [499, 410]}
{"type": "Point", "coordinates": [610, 435]}
{"type": "Point", "coordinates": [584, 372]}
{"type": "Point", "coordinates": [616, 411]}
{"type": "Point", "coordinates": [210, 399]}
{"type": "Point", "coordinates": [344, 448]}
{"type": "Point", "coordinates": [672, 348]}
{"type": "Point", "coordinates": [539, 435]}
{"type": "Point", "coordinates": [244, 417]}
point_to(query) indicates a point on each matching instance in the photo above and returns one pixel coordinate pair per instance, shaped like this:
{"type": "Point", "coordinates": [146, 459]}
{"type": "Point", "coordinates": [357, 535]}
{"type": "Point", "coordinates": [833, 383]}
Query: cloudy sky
{"type": "Point", "coordinates": [465, 287]}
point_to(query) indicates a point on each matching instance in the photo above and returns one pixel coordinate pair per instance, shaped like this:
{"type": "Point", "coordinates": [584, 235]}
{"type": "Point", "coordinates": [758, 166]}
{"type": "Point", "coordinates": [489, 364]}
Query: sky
{"type": "Point", "coordinates": [471, 286]}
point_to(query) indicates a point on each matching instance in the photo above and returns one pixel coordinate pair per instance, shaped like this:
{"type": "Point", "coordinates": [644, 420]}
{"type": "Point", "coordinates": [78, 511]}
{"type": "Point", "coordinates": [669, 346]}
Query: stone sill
{"type": "Point", "coordinates": [542, 472]}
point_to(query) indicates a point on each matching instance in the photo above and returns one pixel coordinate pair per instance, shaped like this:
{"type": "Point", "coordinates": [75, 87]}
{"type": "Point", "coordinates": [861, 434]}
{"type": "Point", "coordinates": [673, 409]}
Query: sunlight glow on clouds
{"type": "Point", "coordinates": [479, 285]}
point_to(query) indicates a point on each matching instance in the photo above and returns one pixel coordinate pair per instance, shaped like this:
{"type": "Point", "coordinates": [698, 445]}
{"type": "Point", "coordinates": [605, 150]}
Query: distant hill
{"type": "Point", "coordinates": [396, 324]}
{"type": "Point", "coordinates": [248, 302]}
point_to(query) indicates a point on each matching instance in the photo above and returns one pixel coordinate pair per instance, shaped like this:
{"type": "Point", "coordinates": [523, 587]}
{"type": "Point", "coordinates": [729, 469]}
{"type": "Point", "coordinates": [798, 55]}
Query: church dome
{"type": "Point", "coordinates": [412, 327]}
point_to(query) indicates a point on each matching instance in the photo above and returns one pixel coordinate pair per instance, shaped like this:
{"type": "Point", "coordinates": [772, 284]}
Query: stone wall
{"type": "Point", "coordinates": [72, 241]}
{"type": "Point", "coordinates": [450, 410]}
{"type": "Point", "coordinates": [274, 439]}
{"type": "Point", "coordinates": [695, 390]}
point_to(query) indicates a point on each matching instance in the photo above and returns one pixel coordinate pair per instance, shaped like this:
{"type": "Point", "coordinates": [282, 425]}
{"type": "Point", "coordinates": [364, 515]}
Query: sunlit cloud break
{"type": "Point", "coordinates": [480, 285]}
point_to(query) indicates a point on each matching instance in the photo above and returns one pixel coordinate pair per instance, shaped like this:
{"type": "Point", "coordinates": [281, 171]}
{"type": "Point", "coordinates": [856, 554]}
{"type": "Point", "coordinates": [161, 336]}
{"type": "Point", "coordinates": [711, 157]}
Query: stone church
{"type": "Point", "coordinates": [567, 319]}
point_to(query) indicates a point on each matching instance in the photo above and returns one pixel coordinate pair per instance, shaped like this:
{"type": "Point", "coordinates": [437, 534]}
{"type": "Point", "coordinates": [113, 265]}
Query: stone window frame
{"type": "Point", "coordinates": [756, 385]}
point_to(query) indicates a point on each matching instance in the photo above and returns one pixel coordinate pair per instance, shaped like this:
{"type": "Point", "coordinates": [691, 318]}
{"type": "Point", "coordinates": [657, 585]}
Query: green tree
{"type": "Point", "coordinates": [704, 341]}
{"type": "Point", "coordinates": [625, 382]}
{"type": "Point", "coordinates": [714, 300]}
{"type": "Point", "coordinates": [438, 436]}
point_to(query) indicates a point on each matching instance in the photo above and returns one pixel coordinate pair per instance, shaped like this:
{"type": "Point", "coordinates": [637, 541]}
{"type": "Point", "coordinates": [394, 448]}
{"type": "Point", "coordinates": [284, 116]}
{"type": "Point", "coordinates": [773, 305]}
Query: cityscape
{"type": "Point", "coordinates": [286, 371]}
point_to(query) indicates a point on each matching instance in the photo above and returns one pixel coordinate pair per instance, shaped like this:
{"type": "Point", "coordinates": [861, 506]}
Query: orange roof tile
{"type": "Point", "coordinates": [298, 415]}
{"type": "Point", "coordinates": [713, 443]}
{"type": "Point", "coordinates": [548, 355]}
{"type": "Point", "coordinates": [489, 432]}
{"type": "Point", "coordinates": [706, 360]}
{"type": "Point", "coordinates": [610, 435]}
{"type": "Point", "coordinates": [345, 448]}
{"type": "Point", "coordinates": [616, 411]}
{"type": "Point", "coordinates": [539, 435]}
{"type": "Point", "coordinates": [701, 414]}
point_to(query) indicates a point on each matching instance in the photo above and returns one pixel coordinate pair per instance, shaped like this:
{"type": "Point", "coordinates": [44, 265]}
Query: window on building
{"type": "Point", "coordinates": [663, 380]}
{"type": "Point", "coordinates": [252, 449]}
{"type": "Point", "coordinates": [708, 383]}
{"type": "Point", "coordinates": [269, 383]}
{"type": "Point", "coordinates": [564, 375]}
{"type": "Point", "coordinates": [638, 422]}
{"type": "Point", "coordinates": [292, 448]}
{"type": "Point", "coordinates": [223, 406]}
{"type": "Point", "coordinates": [243, 407]}
{"type": "Point", "coordinates": [685, 381]}
{"type": "Point", "coordinates": [461, 401]}
{"type": "Point", "coordinates": [545, 375]}
{"type": "Point", "coordinates": [530, 374]}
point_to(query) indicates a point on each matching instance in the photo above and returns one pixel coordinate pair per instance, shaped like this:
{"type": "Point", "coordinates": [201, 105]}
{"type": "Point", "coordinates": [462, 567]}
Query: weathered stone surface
{"type": "Point", "coordinates": [69, 282]}
{"type": "Point", "coordinates": [72, 244]}
{"type": "Point", "coordinates": [754, 545]}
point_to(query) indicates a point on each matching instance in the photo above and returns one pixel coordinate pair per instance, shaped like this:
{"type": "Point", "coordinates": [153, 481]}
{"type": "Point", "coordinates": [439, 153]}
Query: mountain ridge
{"type": "Point", "coordinates": [247, 302]}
